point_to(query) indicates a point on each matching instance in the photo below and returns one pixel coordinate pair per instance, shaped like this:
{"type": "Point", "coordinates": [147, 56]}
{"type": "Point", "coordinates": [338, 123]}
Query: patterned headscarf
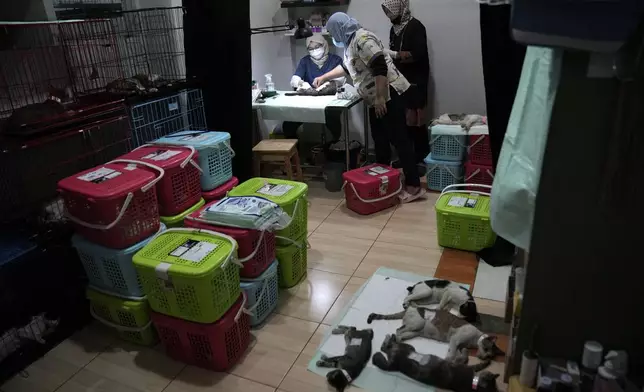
{"type": "Point", "coordinates": [398, 8]}
{"type": "Point", "coordinates": [318, 39]}
{"type": "Point", "coordinates": [342, 27]}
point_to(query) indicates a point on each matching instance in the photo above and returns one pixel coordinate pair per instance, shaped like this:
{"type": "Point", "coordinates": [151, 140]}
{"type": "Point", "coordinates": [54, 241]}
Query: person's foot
{"type": "Point", "coordinates": [411, 193]}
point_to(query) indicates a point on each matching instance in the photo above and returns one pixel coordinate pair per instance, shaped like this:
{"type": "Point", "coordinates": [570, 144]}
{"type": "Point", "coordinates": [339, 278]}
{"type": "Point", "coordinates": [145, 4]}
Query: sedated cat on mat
{"type": "Point", "coordinates": [444, 327]}
{"type": "Point", "coordinates": [432, 370]}
{"type": "Point", "coordinates": [52, 107]}
{"type": "Point", "coordinates": [446, 294]}
{"type": "Point", "coordinates": [356, 355]}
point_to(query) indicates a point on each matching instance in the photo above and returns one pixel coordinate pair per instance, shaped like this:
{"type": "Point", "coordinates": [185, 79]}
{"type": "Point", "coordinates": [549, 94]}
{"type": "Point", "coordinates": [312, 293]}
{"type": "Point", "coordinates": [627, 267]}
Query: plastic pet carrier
{"type": "Point", "coordinates": [289, 195]}
{"type": "Point", "coordinates": [372, 188]}
{"type": "Point", "coordinates": [215, 154]}
{"type": "Point", "coordinates": [478, 174]}
{"type": "Point", "coordinates": [180, 187]}
{"type": "Point", "coordinates": [114, 205]}
{"type": "Point", "coordinates": [463, 218]}
{"type": "Point", "coordinates": [130, 318]}
{"type": "Point", "coordinates": [479, 151]}
{"type": "Point", "coordinates": [262, 294]}
{"type": "Point", "coordinates": [217, 346]}
{"type": "Point", "coordinates": [221, 191]}
{"type": "Point", "coordinates": [178, 220]}
{"type": "Point", "coordinates": [441, 174]}
{"type": "Point", "coordinates": [256, 249]}
{"type": "Point", "coordinates": [448, 142]}
{"type": "Point", "coordinates": [293, 262]}
{"type": "Point", "coordinates": [111, 270]}
{"type": "Point", "coordinates": [190, 274]}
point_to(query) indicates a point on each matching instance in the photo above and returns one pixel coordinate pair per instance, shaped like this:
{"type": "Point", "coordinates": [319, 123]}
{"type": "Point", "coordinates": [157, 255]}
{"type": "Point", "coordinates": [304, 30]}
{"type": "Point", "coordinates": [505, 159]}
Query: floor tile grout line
{"type": "Point", "coordinates": [298, 355]}
{"type": "Point", "coordinates": [78, 371]}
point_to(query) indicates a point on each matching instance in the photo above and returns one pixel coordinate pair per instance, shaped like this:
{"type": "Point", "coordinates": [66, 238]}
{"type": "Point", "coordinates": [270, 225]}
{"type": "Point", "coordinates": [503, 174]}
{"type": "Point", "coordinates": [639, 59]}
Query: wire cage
{"type": "Point", "coordinates": [156, 118]}
{"type": "Point", "coordinates": [30, 171]}
{"type": "Point", "coordinates": [49, 72]}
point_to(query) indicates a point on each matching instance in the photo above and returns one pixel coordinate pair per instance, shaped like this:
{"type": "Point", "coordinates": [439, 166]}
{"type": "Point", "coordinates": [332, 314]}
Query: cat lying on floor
{"type": "Point", "coordinates": [432, 370]}
{"type": "Point", "coordinates": [355, 358]}
{"type": "Point", "coordinates": [446, 294]}
{"type": "Point", "coordinates": [444, 327]}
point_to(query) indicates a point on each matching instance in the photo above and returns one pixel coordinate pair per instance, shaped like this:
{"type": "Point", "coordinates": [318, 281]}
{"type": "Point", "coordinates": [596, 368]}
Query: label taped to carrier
{"type": "Point", "coordinates": [162, 155]}
{"type": "Point", "coordinates": [99, 175]}
{"type": "Point", "coordinates": [193, 250]}
{"type": "Point", "coordinates": [457, 201]}
{"type": "Point", "coordinates": [274, 189]}
{"type": "Point", "coordinates": [377, 170]}
{"type": "Point", "coordinates": [195, 138]}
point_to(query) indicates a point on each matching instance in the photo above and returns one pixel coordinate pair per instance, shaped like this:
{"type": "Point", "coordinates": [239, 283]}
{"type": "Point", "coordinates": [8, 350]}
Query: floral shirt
{"type": "Point", "coordinates": [365, 47]}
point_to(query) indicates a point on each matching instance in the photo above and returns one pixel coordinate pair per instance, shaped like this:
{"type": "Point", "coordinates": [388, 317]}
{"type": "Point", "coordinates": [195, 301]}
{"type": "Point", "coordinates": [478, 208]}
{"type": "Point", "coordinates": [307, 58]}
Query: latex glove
{"type": "Point", "coordinates": [304, 86]}
{"type": "Point", "coordinates": [393, 54]}
{"type": "Point", "coordinates": [296, 81]}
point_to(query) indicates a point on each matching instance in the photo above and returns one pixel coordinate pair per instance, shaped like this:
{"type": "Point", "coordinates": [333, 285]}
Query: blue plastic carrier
{"type": "Point", "coordinates": [448, 142]}
{"type": "Point", "coordinates": [111, 270]}
{"type": "Point", "coordinates": [262, 293]}
{"type": "Point", "coordinates": [162, 116]}
{"type": "Point", "coordinates": [441, 174]}
{"type": "Point", "coordinates": [215, 154]}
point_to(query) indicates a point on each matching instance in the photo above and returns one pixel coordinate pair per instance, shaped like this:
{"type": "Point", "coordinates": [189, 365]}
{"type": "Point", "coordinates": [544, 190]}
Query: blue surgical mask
{"type": "Point", "coordinates": [338, 44]}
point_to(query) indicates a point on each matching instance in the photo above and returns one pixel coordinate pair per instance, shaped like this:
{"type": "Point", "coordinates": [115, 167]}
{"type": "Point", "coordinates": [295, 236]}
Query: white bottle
{"type": "Point", "coordinates": [270, 86]}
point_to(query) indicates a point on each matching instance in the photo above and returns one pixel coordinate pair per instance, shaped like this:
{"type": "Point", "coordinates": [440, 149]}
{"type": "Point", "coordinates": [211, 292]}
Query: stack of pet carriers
{"type": "Point", "coordinates": [221, 191]}
{"type": "Point", "coordinates": [256, 251]}
{"type": "Point", "coordinates": [372, 188]}
{"type": "Point", "coordinates": [291, 197]}
{"type": "Point", "coordinates": [191, 279]}
{"type": "Point", "coordinates": [115, 210]}
{"type": "Point", "coordinates": [445, 162]}
{"type": "Point", "coordinates": [478, 167]}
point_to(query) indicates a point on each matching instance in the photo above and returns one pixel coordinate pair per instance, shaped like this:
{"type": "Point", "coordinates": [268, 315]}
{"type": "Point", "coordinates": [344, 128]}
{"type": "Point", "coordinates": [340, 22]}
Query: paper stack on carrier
{"type": "Point", "coordinates": [115, 212]}
{"type": "Point", "coordinates": [291, 245]}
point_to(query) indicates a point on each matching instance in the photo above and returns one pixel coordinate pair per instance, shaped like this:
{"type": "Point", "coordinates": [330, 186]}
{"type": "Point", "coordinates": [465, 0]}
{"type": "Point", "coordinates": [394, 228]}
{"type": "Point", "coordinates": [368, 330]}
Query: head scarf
{"type": "Point", "coordinates": [398, 8]}
{"type": "Point", "coordinates": [342, 27]}
{"type": "Point", "coordinates": [318, 39]}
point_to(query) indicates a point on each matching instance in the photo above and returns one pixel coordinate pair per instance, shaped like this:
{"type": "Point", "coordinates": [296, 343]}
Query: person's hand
{"type": "Point", "coordinates": [317, 82]}
{"type": "Point", "coordinates": [380, 107]}
{"type": "Point", "coordinates": [404, 56]}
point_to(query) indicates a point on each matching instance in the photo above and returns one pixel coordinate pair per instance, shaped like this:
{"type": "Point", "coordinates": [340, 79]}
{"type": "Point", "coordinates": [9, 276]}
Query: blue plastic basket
{"type": "Point", "coordinates": [160, 117]}
{"type": "Point", "coordinates": [215, 154]}
{"type": "Point", "coordinates": [262, 294]}
{"type": "Point", "coordinates": [448, 142]}
{"type": "Point", "coordinates": [111, 270]}
{"type": "Point", "coordinates": [441, 174]}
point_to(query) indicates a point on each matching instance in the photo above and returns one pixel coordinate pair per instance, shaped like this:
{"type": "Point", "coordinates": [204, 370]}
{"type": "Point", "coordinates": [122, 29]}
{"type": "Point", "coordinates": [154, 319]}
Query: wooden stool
{"type": "Point", "coordinates": [278, 150]}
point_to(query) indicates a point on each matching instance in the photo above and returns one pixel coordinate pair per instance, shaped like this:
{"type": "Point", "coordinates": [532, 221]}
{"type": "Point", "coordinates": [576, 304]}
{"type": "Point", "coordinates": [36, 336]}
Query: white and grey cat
{"type": "Point", "coordinates": [38, 328]}
{"type": "Point", "coordinates": [448, 295]}
{"type": "Point", "coordinates": [444, 327]}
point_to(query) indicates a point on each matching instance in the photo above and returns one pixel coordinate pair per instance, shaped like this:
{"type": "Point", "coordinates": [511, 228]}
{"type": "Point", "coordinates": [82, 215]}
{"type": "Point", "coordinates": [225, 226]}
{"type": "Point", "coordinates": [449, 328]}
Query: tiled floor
{"type": "Point", "coordinates": [346, 249]}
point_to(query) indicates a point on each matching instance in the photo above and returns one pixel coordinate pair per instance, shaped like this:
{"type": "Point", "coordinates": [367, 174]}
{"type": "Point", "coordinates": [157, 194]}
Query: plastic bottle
{"type": "Point", "coordinates": [270, 86]}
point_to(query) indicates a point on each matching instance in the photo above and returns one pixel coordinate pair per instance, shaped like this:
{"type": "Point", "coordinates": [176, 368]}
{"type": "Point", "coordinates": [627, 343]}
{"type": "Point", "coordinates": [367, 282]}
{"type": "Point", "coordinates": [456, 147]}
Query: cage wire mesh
{"type": "Point", "coordinates": [157, 118]}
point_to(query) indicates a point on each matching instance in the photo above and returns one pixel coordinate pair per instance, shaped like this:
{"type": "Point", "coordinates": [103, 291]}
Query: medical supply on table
{"type": "Point", "coordinates": [248, 212]}
{"type": "Point", "coordinates": [269, 85]}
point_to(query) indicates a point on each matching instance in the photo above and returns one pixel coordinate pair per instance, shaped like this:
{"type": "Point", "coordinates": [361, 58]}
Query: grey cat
{"type": "Point", "coordinates": [444, 327]}
{"type": "Point", "coordinates": [432, 370]}
{"type": "Point", "coordinates": [356, 355]}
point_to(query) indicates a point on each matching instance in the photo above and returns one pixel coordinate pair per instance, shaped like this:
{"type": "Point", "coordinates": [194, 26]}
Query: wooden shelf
{"type": "Point", "coordinates": [324, 3]}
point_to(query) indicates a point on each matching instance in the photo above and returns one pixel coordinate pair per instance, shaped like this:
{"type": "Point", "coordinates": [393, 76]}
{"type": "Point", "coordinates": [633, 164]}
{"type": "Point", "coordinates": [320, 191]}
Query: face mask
{"type": "Point", "coordinates": [397, 20]}
{"type": "Point", "coordinates": [338, 44]}
{"type": "Point", "coordinates": [317, 53]}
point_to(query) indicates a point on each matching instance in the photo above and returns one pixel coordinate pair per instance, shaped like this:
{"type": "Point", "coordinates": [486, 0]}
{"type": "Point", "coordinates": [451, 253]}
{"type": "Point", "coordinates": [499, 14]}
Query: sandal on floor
{"type": "Point", "coordinates": [406, 197]}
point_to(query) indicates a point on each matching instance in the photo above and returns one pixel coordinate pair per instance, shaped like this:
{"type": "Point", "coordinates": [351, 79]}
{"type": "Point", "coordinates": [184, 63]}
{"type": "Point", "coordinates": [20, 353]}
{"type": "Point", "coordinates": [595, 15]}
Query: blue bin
{"type": "Point", "coordinates": [262, 294]}
{"type": "Point", "coordinates": [111, 270]}
{"type": "Point", "coordinates": [448, 142]}
{"type": "Point", "coordinates": [215, 154]}
{"type": "Point", "coordinates": [441, 174]}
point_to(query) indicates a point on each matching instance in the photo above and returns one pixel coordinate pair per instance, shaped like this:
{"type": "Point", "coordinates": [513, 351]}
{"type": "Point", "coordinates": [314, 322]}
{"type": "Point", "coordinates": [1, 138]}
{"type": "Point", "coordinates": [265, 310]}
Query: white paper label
{"type": "Point", "coordinates": [379, 169]}
{"type": "Point", "coordinates": [194, 251]}
{"type": "Point", "coordinates": [275, 189]}
{"type": "Point", "coordinates": [195, 138]}
{"type": "Point", "coordinates": [355, 342]}
{"type": "Point", "coordinates": [162, 155]}
{"type": "Point", "coordinates": [100, 175]}
{"type": "Point", "coordinates": [457, 201]}
{"type": "Point", "coordinates": [131, 167]}
{"type": "Point", "coordinates": [470, 203]}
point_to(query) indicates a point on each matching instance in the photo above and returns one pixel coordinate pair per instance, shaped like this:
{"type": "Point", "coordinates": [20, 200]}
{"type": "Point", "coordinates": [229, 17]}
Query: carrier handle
{"type": "Point", "coordinates": [186, 161]}
{"type": "Point", "coordinates": [293, 242]}
{"type": "Point", "coordinates": [477, 141]}
{"type": "Point", "coordinates": [373, 200]}
{"type": "Point", "coordinates": [232, 152]}
{"type": "Point", "coordinates": [453, 186]}
{"type": "Point", "coordinates": [242, 309]}
{"type": "Point", "coordinates": [216, 234]}
{"type": "Point", "coordinates": [117, 326]}
{"type": "Point", "coordinates": [127, 202]}
{"type": "Point", "coordinates": [477, 171]}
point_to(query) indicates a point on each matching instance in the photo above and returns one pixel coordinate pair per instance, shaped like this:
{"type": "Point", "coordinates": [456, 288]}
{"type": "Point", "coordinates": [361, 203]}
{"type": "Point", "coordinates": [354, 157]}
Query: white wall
{"type": "Point", "coordinates": [453, 39]}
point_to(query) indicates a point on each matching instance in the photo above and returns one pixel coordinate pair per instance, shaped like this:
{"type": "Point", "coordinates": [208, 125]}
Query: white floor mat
{"type": "Point", "coordinates": [383, 293]}
{"type": "Point", "coordinates": [491, 282]}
